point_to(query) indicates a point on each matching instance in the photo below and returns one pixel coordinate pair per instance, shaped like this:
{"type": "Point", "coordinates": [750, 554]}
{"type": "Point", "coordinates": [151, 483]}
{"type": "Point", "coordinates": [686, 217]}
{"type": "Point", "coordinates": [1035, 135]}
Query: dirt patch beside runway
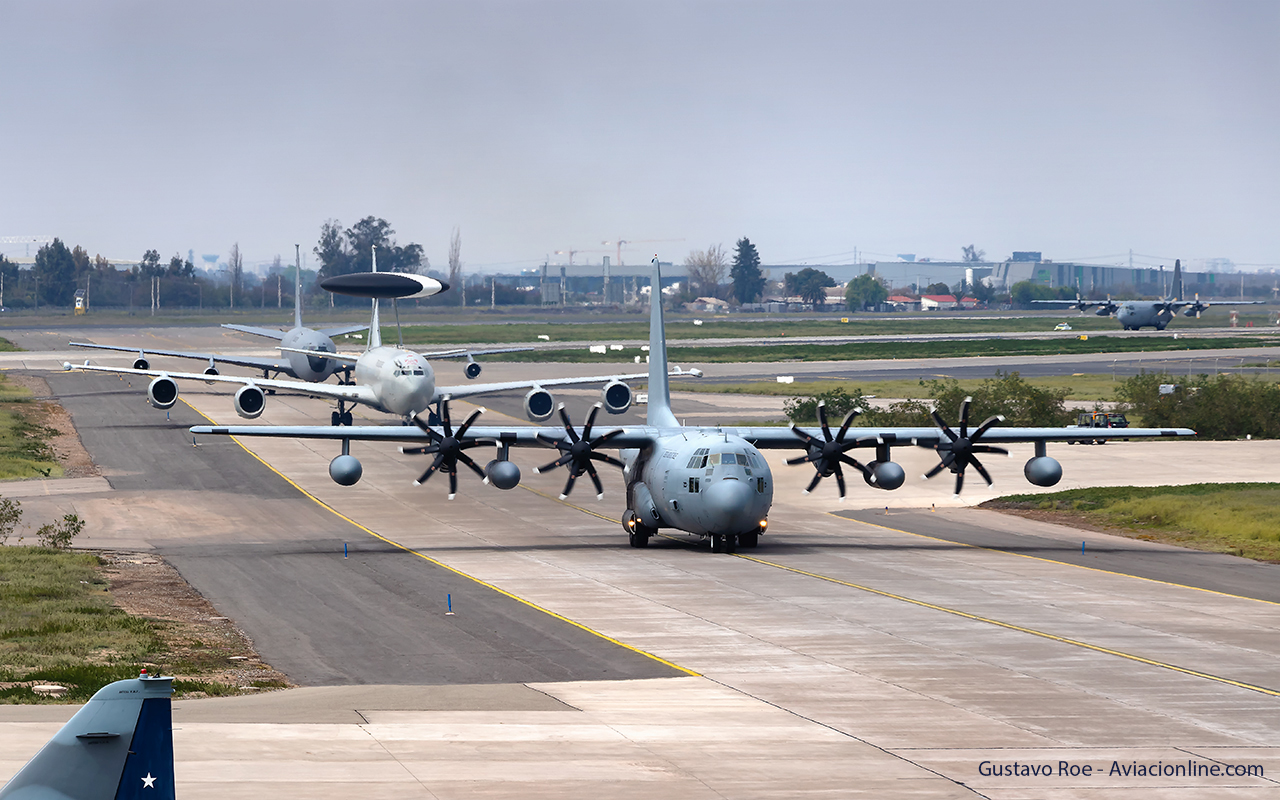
{"type": "Point", "coordinates": [199, 643]}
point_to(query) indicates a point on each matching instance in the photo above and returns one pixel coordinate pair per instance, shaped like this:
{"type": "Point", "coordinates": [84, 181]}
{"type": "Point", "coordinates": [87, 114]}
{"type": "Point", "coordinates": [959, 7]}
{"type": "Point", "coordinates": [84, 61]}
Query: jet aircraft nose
{"type": "Point", "coordinates": [729, 506]}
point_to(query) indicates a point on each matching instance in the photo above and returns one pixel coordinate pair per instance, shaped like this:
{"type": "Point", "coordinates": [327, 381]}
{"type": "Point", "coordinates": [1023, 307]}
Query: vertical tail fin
{"type": "Point", "coordinates": [297, 286]}
{"type": "Point", "coordinates": [659, 412]}
{"type": "Point", "coordinates": [119, 746]}
{"type": "Point", "coordinates": [1177, 279]}
{"type": "Point", "coordinates": [375, 327]}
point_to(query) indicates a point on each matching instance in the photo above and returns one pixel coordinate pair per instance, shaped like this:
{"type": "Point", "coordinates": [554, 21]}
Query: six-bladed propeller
{"type": "Point", "coordinates": [827, 456]}
{"type": "Point", "coordinates": [447, 447]}
{"type": "Point", "coordinates": [578, 452]}
{"type": "Point", "coordinates": [958, 451]}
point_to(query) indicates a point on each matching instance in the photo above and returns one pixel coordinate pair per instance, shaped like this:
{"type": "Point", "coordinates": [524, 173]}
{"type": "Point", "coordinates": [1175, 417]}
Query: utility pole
{"type": "Point", "coordinates": [493, 293]}
{"type": "Point", "coordinates": [88, 279]}
{"type": "Point", "coordinates": [279, 296]}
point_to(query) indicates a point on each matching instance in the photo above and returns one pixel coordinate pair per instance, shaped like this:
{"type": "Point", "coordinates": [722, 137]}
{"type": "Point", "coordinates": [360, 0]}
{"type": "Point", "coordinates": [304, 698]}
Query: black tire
{"type": "Point", "coordinates": [748, 540]}
{"type": "Point", "coordinates": [730, 543]}
{"type": "Point", "coordinates": [638, 538]}
{"type": "Point", "coordinates": [347, 419]}
{"type": "Point", "coordinates": [335, 419]}
{"type": "Point", "coordinates": [717, 543]}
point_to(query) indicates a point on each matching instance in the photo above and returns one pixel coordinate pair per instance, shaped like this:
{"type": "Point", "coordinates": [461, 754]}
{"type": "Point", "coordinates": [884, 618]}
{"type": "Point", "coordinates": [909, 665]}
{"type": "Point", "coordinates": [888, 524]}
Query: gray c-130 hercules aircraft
{"type": "Point", "coordinates": [1135, 315]}
{"type": "Point", "coordinates": [708, 481]}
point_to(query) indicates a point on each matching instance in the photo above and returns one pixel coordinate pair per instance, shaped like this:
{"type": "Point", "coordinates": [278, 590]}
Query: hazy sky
{"type": "Point", "coordinates": [1079, 129]}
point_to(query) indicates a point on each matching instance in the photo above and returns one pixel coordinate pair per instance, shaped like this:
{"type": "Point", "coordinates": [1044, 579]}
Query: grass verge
{"type": "Point", "coordinates": [59, 624]}
{"type": "Point", "coordinates": [1233, 518]}
{"type": "Point", "coordinates": [25, 450]}
{"type": "Point", "coordinates": [897, 350]}
{"type": "Point", "coordinates": [7, 346]}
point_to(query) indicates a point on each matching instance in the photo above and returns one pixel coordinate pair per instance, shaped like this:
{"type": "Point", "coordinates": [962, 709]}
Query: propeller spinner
{"type": "Point", "coordinates": [958, 451]}
{"type": "Point", "coordinates": [827, 456]}
{"type": "Point", "coordinates": [448, 447]}
{"type": "Point", "coordinates": [577, 452]}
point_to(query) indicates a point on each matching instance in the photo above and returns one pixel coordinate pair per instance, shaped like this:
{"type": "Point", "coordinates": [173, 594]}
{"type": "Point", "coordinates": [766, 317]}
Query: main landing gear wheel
{"type": "Point", "coordinates": [749, 539]}
{"type": "Point", "coordinates": [637, 533]}
{"type": "Point", "coordinates": [341, 418]}
{"type": "Point", "coordinates": [723, 543]}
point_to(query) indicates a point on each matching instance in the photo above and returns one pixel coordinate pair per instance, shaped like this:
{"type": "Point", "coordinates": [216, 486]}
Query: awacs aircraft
{"type": "Point", "coordinates": [390, 379]}
{"type": "Point", "coordinates": [1135, 315]}
{"type": "Point", "coordinates": [298, 344]}
{"type": "Point", "coordinates": [118, 746]}
{"type": "Point", "coordinates": [708, 481]}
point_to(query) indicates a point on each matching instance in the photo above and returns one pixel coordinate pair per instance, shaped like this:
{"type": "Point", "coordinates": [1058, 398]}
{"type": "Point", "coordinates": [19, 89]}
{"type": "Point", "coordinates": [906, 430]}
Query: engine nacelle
{"type": "Point", "coordinates": [472, 370]}
{"type": "Point", "coordinates": [502, 473]}
{"type": "Point", "coordinates": [539, 405]}
{"type": "Point", "coordinates": [1043, 471]}
{"type": "Point", "coordinates": [249, 402]}
{"type": "Point", "coordinates": [162, 392]}
{"type": "Point", "coordinates": [616, 397]}
{"type": "Point", "coordinates": [141, 363]}
{"type": "Point", "coordinates": [345, 470]}
{"type": "Point", "coordinates": [212, 371]}
{"type": "Point", "coordinates": [886, 475]}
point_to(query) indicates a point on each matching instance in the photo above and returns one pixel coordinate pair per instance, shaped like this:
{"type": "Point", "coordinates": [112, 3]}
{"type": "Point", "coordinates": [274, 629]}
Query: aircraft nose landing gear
{"type": "Point", "coordinates": [342, 416]}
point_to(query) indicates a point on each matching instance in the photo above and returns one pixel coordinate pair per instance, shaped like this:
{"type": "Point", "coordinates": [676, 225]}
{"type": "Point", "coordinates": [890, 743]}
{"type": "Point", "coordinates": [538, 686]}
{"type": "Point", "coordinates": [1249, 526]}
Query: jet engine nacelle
{"type": "Point", "coordinates": [345, 470]}
{"type": "Point", "coordinates": [1043, 471]}
{"type": "Point", "coordinates": [472, 370]}
{"type": "Point", "coordinates": [886, 475]}
{"type": "Point", "coordinates": [249, 402]}
{"type": "Point", "coordinates": [162, 392]}
{"type": "Point", "coordinates": [539, 405]}
{"type": "Point", "coordinates": [616, 397]}
{"type": "Point", "coordinates": [212, 371]}
{"type": "Point", "coordinates": [502, 473]}
{"type": "Point", "coordinates": [141, 363]}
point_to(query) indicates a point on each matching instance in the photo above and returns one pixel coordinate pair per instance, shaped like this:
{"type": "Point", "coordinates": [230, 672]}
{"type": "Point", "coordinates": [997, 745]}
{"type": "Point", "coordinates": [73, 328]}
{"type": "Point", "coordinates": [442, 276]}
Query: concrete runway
{"type": "Point", "coordinates": [844, 657]}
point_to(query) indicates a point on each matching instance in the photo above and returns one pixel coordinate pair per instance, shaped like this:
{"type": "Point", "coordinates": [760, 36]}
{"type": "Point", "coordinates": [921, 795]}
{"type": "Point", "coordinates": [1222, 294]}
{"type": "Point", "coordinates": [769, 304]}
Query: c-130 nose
{"type": "Point", "coordinates": [729, 504]}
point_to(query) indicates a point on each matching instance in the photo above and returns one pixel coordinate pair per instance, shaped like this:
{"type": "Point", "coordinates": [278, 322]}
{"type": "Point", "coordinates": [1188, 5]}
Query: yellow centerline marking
{"type": "Point", "coordinates": [443, 565]}
{"type": "Point", "coordinates": [1019, 628]}
{"type": "Point", "coordinates": [1054, 561]}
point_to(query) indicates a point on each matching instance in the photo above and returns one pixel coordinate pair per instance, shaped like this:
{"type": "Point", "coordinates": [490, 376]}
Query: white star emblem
{"type": "Point", "coordinates": [148, 782]}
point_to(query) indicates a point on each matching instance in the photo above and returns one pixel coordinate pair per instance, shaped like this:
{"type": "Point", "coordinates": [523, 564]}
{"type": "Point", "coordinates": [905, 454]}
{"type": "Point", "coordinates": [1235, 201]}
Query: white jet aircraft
{"type": "Point", "coordinates": [390, 379]}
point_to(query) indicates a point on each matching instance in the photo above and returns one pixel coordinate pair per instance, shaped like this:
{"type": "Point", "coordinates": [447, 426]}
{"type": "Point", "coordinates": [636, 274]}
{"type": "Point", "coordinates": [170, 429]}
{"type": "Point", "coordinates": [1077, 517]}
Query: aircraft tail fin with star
{"type": "Point", "coordinates": [118, 746]}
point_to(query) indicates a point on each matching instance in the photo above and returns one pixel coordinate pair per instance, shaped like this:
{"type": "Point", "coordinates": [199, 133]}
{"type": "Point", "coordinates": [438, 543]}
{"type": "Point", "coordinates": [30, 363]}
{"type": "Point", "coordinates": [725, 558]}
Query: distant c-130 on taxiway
{"type": "Point", "coordinates": [1135, 315]}
{"type": "Point", "coordinates": [704, 480]}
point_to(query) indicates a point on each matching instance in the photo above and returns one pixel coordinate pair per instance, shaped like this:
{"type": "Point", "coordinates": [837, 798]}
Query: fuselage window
{"type": "Point", "coordinates": [418, 372]}
{"type": "Point", "coordinates": [694, 485]}
{"type": "Point", "coordinates": [760, 485]}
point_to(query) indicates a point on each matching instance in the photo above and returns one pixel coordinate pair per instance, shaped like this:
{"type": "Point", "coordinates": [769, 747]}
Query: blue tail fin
{"type": "Point", "coordinates": [659, 413]}
{"type": "Point", "coordinates": [119, 746]}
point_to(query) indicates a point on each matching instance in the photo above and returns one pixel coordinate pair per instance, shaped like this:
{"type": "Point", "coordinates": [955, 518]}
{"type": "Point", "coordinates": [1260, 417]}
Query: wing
{"type": "Point", "coordinates": [626, 436]}
{"type": "Point", "coordinates": [269, 364]}
{"type": "Point", "coordinates": [332, 332]}
{"type": "Point", "coordinates": [463, 352]}
{"type": "Point", "coordinates": [787, 438]}
{"type": "Point", "coordinates": [457, 392]}
{"type": "Point", "coordinates": [270, 333]}
{"type": "Point", "coordinates": [349, 392]}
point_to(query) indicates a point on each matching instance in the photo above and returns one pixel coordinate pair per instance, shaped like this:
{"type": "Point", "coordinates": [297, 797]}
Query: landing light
{"type": "Point", "coordinates": [764, 523]}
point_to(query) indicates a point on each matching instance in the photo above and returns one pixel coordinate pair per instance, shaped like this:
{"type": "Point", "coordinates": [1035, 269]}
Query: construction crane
{"type": "Point", "coordinates": [572, 253]}
{"type": "Point", "coordinates": [27, 240]}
